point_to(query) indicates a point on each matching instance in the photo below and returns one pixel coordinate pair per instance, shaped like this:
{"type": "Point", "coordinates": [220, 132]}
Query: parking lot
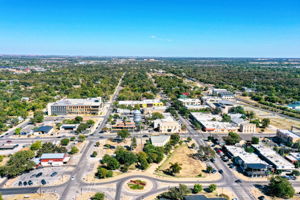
{"type": "Point", "coordinates": [44, 176]}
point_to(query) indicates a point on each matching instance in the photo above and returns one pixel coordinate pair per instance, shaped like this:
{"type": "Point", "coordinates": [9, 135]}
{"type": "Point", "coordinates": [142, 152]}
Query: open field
{"type": "Point", "coordinates": [182, 155]}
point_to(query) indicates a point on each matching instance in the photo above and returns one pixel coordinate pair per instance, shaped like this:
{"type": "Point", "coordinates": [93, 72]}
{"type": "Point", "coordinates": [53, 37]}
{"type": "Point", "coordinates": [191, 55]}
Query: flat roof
{"type": "Point", "coordinates": [288, 133]}
{"type": "Point", "coordinates": [159, 138]}
{"type": "Point", "coordinates": [44, 129]}
{"type": "Point", "coordinates": [189, 100]}
{"type": "Point", "coordinates": [52, 156]}
{"type": "Point", "coordinates": [79, 102]}
{"type": "Point", "coordinates": [146, 101]}
{"type": "Point", "coordinates": [273, 157]}
{"type": "Point", "coordinates": [248, 158]}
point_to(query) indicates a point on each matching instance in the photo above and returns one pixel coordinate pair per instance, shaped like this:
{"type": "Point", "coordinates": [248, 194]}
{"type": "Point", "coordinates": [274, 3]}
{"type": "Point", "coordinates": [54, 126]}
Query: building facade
{"type": "Point", "coordinates": [90, 106]}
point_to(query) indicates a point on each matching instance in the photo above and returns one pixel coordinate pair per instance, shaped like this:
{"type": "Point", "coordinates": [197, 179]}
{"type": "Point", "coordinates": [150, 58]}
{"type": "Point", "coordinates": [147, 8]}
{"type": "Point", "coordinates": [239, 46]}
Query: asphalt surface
{"type": "Point", "coordinates": [69, 188]}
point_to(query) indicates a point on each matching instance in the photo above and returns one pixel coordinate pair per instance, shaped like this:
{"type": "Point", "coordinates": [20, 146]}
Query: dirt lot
{"type": "Point", "coordinates": [190, 166]}
{"type": "Point", "coordinates": [276, 121]}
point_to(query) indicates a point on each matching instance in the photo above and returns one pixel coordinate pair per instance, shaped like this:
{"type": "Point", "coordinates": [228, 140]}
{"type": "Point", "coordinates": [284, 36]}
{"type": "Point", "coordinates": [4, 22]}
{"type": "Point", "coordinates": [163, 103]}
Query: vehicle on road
{"type": "Point", "coordinates": [39, 174]}
{"type": "Point", "coordinates": [145, 136]}
{"type": "Point", "coordinates": [43, 181]}
{"type": "Point", "coordinates": [53, 174]}
{"type": "Point", "coordinates": [238, 181]}
{"type": "Point", "coordinates": [9, 141]}
{"type": "Point", "coordinates": [212, 160]}
{"type": "Point", "coordinates": [73, 178]}
{"type": "Point", "coordinates": [33, 175]}
{"type": "Point", "coordinates": [221, 171]}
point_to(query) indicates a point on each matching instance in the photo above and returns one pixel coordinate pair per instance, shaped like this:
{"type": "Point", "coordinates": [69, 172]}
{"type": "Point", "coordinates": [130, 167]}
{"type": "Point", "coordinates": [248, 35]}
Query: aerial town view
{"type": "Point", "coordinates": [154, 100]}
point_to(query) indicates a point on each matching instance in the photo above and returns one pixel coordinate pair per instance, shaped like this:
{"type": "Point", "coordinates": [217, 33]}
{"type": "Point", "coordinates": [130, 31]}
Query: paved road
{"type": "Point", "coordinates": [78, 172]}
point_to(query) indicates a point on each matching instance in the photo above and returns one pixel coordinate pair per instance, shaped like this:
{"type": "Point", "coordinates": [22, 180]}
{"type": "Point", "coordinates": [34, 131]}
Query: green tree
{"type": "Point", "coordinates": [174, 168]}
{"type": "Point", "coordinates": [142, 160]}
{"type": "Point", "coordinates": [189, 139]}
{"type": "Point", "coordinates": [133, 143]}
{"type": "Point", "coordinates": [78, 119]}
{"type": "Point", "coordinates": [90, 123]}
{"type": "Point", "coordinates": [175, 138]}
{"type": "Point", "coordinates": [177, 193]}
{"type": "Point", "coordinates": [18, 131]}
{"type": "Point", "coordinates": [281, 187]}
{"type": "Point", "coordinates": [64, 142]}
{"type": "Point", "coordinates": [36, 145]}
{"type": "Point", "coordinates": [110, 162]}
{"type": "Point", "coordinates": [226, 118]}
{"type": "Point", "coordinates": [97, 144]}
{"type": "Point", "coordinates": [123, 134]}
{"type": "Point", "coordinates": [125, 157]}
{"type": "Point", "coordinates": [156, 115]}
{"type": "Point", "coordinates": [155, 154]}
{"type": "Point", "coordinates": [209, 169]}
{"type": "Point", "coordinates": [18, 163]}
{"type": "Point", "coordinates": [232, 138]}
{"type": "Point", "coordinates": [94, 154]}
{"type": "Point", "coordinates": [81, 128]}
{"type": "Point", "coordinates": [249, 149]}
{"type": "Point", "coordinates": [103, 173]}
{"type": "Point", "coordinates": [197, 188]}
{"type": "Point", "coordinates": [74, 150]}
{"type": "Point", "coordinates": [38, 117]}
{"type": "Point", "coordinates": [212, 187]}
{"type": "Point", "coordinates": [98, 196]}
{"type": "Point", "coordinates": [254, 140]}
{"type": "Point", "coordinates": [81, 138]}
{"type": "Point", "coordinates": [265, 122]}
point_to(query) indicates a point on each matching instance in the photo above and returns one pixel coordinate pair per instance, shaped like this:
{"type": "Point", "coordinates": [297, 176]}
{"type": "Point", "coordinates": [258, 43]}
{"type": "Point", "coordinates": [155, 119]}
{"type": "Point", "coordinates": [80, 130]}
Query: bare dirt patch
{"type": "Point", "coordinates": [190, 166]}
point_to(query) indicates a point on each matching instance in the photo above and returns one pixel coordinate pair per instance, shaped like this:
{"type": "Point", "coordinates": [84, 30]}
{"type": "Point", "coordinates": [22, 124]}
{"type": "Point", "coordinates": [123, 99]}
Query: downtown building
{"type": "Point", "coordinates": [90, 106]}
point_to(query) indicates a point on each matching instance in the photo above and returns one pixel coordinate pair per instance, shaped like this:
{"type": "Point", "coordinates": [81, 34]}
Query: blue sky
{"type": "Point", "coordinates": [200, 28]}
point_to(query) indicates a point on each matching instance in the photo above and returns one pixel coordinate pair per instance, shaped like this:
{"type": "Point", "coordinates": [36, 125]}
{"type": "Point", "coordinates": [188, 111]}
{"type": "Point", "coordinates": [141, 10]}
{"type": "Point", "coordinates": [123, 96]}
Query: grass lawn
{"type": "Point", "coordinates": [182, 155]}
{"type": "Point", "coordinates": [136, 184]}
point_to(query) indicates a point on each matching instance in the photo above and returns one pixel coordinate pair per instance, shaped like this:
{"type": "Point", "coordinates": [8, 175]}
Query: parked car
{"type": "Point", "coordinates": [145, 136]}
{"type": "Point", "coordinates": [39, 174]}
{"type": "Point", "coordinates": [53, 174]}
{"type": "Point", "coordinates": [24, 183]}
{"type": "Point", "coordinates": [20, 183]}
{"type": "Point", "coordinates": [30, 182]}
{"type": "Point", "coordinates": [212, 160]}
{"type": "Point", "coordinates": [238, 181]}
{"type": "Point", "coordinates": [43, 182]}
{"type": "Point", "coordinates": [33, 175]}
{"type": "Point", "coordinates": [262, 198]}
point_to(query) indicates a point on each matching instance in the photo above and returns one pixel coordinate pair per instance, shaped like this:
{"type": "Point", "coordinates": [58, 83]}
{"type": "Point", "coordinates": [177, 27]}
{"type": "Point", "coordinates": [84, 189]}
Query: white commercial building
{"type": "Point", "coordinates": [250, 163]}
{"type": "Point", "coordinates": [167, 125]}
{"type": "Point", "coordinates": [213, 123]}
{"type": "Point", "coordinates": [160, 140]}
{"type": "Point", "coordinates": [190, 102]}
{"type": "Point", "coordinates": [90, 106]}
{"type": "Point", "coordinates": [287, 136]}
{"type": "Point", "coordinates": [147, 103]}
{"type": "Point", "coordinates": [278, 162]}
